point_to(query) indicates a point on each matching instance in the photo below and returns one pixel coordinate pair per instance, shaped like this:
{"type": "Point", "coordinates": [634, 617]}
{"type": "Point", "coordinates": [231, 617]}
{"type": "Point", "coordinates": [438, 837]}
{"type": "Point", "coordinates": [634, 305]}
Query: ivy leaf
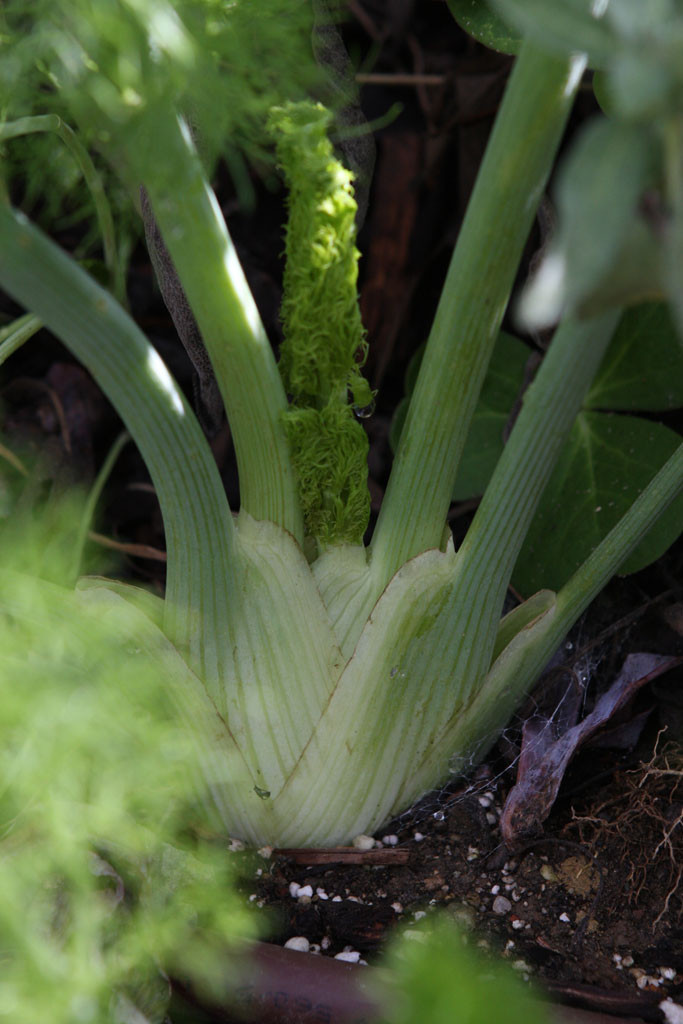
{"type": "Point", "coordinates": [643, 367]}
{"type": "Point", "coordinates": [478, 19]}
{"type": "Point", "coordinates": [607, 461]}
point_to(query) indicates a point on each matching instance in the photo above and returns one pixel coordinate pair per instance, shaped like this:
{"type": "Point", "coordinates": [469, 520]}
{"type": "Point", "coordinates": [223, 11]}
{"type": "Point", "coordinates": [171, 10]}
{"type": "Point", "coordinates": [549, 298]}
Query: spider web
{"type": "Point", "coordinates": [572, 671]}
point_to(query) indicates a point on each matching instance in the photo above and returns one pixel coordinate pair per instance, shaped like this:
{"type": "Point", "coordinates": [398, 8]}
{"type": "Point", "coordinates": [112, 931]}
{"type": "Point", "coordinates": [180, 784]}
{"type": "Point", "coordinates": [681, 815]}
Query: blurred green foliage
{"type": "Point", "coordinates": [104, 883]}
{"type": "Point", "coordinates": [438, 979]}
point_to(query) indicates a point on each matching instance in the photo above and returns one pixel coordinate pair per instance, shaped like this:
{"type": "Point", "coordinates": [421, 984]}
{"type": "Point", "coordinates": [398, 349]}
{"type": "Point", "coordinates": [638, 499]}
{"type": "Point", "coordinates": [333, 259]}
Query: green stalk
{"type": "Point", "coordinates": [53, 123]}
{"type": "Point", "coordinates": [467, 626]}
{"type": "Point", "coordinates": [471, 731]}
{"type": "Point", "coordinates": [488, 554]}
{"type": "Point", "coordinates": [197, 520]}
{"type": "Point", "coordinates": [510, 183]}
{"type": "Point", "coordinates": [14, 335]}
{"type": "Point", "coordinates": [197, 238]}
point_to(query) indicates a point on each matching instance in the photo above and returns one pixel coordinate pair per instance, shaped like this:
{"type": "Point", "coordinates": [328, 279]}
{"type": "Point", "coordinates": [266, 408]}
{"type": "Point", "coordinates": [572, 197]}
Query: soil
{"type": "Point", "coordinates": [591, 907]}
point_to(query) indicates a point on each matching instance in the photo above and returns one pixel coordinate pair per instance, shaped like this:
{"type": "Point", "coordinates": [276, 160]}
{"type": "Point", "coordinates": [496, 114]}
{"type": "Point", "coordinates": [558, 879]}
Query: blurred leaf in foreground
{"type": "Point", "coordinates": [102, 887]}
{"type": "Point", "coordinates": [437, 978]}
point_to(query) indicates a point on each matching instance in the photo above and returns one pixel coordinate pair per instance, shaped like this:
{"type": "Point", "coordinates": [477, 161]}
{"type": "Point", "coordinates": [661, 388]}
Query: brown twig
{"type": "Point", "coordinates": [344, 855]}
{"type": "Point", "coordinates": [136, 550]}
{"type": "Point", "coordinates": [397, 78]}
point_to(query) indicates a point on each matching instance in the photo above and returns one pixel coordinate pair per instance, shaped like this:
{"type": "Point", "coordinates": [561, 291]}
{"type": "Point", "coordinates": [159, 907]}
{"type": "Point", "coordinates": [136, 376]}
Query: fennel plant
{"type": "Point", "coordinates": [330, 683]}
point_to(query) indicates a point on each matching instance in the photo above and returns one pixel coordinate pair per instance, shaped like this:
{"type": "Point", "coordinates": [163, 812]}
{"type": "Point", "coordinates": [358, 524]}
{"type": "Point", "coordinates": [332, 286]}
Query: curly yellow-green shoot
{"type": "Point", "coordinates": [324, 344]}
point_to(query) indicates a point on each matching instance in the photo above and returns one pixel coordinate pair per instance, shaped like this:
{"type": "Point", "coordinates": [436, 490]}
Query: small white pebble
{"type": "Point", "coordinates": [266, 852]}
{"type": "Point", "coordinates": [390, 840]}
{"type": "Point", "coordinates": [259, 872]}
{"type": "Point", "coordinates": [517, 924]}
{"type": "Point", "coordinates": [397, 907]}
{"type": "Point", "coordinates": [616, 957]}
{"type": "Point", "coordinates": [351, 956]}
{"type": "Point", "coordinates": [253, 897]}
{"type": "Point", "coordinates": [418, 837]}
{"type": "Point", "coordinates": [510, 944]}
{"type": "Point", "coordinates": [667, 972]}
{"type": "Point", "coordinates": [235, 845]}
{"type": "Point", "coordinates": [501, 905]}
{"type": "Point", "coordinates": [485, 801]}
{"type": "Point", "coordinates": [491, 818]}
{"type": "Point", "coordinates": [645, 981]}
{"type": "Point", "coordinates": [673, 1012]}
{"type": "Point", "coordinates": [321, 894]}
{"type": "Point", "coordinates": [303, 891]}
{"type": "Point", "coordinates": [419, 914]}
{"type": "Point", "coordinates": [325, 942]}
{"type": "Point", "coordinates": [564, 917]}
{"type": "Point", "coordinates": [354, 899]}
{"type": "Point", "coordinates": [298, 942]}
{"type": "Point", "coordinates": [472, 853]}
{"type": "Point", "coordinates": [495, 889]}
{"type": "Point", "coordinates": [314, 948]}
{"type": "Point", "coordinates": [294, 889]}
{"type": "Point", "coordinates": [337, 899]}
{"type": "Point", "coordinates": [627, 961]}
{"type": "Point", "coordinates": [516, 896]}
{"type": "Point", "coordinates": [363, 842]}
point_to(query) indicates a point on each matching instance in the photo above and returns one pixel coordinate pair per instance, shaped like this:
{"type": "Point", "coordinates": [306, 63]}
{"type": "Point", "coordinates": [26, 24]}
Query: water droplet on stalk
{"type": "Point", "coordinates": [363, 412]}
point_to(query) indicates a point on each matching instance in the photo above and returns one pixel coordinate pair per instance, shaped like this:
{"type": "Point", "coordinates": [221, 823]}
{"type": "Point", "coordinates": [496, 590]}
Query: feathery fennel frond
{"type": "Point", "coordinates": [105, 66]}
{"type": "Point", "coordinates": [324, 343]}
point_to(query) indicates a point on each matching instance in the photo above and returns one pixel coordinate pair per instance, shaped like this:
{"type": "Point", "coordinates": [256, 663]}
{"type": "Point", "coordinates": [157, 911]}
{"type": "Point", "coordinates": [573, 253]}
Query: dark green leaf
{"type": "Point", "coordinates": [636, 275]}
{"type": "Point", "coordinates": [598, 188]}
{"type": "Point", "coordinates": [643, 367]}
{"type": "Point", "coordinates": [597, 193]}
{"type": "Point", "coordinates": [601, 90]}
{"type": "Point", "coordinates": [487, 27]}
{"type": "Point", "coordinates": [607, 462]}
{"type": "Point", "coordinates": [640, 83]}
{"type": "Point", "coordinates": [673, 250]}
{"type": "Point", "coordinates": [565, 26]}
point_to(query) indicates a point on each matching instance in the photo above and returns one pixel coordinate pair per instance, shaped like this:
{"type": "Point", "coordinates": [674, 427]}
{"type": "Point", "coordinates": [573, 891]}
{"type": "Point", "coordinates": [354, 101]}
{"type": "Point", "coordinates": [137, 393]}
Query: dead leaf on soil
{"type": "Point", "coordinates": [545, 756]}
